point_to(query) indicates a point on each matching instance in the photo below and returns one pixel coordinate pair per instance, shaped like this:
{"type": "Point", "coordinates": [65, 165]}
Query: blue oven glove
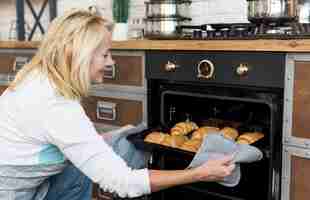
{"type": "Point", "coordinates": [135, 158]}
{"type": "Point", "coordinates": [215, 146]}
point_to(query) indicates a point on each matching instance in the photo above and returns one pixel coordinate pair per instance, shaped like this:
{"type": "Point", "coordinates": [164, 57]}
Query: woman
{"type": "Point", "coordinates": [43, 125]}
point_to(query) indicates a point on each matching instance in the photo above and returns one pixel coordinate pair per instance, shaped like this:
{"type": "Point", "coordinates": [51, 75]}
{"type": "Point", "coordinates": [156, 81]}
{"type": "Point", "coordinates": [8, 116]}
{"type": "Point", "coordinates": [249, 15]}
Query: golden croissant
{"type": "Point", "coordinates": [183, 128]}
{"type": "Point", "coordinates": [249, 137]}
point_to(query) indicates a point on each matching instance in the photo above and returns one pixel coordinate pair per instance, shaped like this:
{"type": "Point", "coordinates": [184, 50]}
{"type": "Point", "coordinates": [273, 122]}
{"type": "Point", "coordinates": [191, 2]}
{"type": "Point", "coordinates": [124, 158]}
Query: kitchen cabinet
{"type": "Point", "coordinates": [296, 128]}
{"type": "Point", "coordinates": [120, 99]}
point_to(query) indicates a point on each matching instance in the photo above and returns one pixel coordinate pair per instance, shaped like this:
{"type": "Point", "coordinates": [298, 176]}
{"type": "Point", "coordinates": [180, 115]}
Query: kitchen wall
{"type": "Point", "coordinates": [201, 12]}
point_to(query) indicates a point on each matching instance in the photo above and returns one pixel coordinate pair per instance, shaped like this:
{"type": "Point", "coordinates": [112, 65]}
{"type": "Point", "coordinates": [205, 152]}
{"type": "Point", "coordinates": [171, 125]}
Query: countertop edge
{"type": "Point", "coordinates": [297, 45]}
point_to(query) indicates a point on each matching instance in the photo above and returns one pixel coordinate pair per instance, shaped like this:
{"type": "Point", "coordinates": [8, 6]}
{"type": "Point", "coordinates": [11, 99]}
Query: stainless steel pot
{"type": "Point", "coordinates": [260, 11]}
{"type": "Point", "coordinates": [162, 27]}
{"type": "Point", "coordinates": [167, 8]}
{"type": "Point", "coordinates": [161, 10]}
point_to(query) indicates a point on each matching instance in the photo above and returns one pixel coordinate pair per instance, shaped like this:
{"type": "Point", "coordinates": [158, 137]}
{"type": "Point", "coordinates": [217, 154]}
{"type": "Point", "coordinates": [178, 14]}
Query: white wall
{"type": "Point", "coordinates": [201, 11]}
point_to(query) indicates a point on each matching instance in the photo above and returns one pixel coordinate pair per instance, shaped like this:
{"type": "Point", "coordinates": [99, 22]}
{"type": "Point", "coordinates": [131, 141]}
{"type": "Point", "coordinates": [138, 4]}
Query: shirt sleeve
{"type": "Point", "coordinates": [69, 128]}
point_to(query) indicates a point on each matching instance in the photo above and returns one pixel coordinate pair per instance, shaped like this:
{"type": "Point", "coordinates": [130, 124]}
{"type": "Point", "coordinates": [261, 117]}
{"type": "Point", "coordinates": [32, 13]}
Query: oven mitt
{"type": "Point", "coordinates": [215, 146]}
{"type": "Point", "coordinates": [117, 139]}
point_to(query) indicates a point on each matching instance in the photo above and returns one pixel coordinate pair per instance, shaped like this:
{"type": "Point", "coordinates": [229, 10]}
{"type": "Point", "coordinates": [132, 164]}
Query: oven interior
{"type": "Point", "coordinates": [245, 109]}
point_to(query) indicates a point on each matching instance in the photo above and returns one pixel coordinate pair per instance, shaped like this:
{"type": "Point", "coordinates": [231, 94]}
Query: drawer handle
{"type": "Point", "coordinates": [104, 195]}
{"type": "Point", "coordinates": [19, 62]}
{"type": "Point", "coordinates": [109, 72]}
{"type": "Point", "coordinates": [106, 110]}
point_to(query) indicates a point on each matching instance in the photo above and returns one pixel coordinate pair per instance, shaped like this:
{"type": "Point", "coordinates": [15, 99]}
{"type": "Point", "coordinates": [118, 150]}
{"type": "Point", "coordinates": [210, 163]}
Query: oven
{"type": "Point", "coordinates": [243, 90]}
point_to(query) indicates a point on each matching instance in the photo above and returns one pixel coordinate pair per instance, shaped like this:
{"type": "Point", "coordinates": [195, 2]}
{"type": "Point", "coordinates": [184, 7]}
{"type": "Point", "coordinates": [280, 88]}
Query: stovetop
{"type": "Point", "coordinates": [244, 31]}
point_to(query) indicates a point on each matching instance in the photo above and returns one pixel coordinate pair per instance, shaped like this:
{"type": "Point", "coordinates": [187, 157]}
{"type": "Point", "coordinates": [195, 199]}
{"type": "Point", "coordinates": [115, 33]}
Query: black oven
{"type": "Point", "coordinates": [239, 89]}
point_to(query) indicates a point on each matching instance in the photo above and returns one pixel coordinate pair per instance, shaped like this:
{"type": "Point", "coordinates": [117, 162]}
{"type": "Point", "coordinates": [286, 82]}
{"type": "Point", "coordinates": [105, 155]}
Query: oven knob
{"type": "Point", "coordinates": [242, 69]}
{"type": "Point", "coordinates": [205, 69]}
{"type": "Point", "coordinates": [170, 66]}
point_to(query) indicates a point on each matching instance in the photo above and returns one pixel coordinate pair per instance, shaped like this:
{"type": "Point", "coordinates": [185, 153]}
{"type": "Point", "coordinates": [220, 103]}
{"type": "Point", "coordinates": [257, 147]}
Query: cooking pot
{"type": "Point", "coordinates": [167, 8]}
{"type": "Point", "coordinates": [269, 11]}
{"type": "Point", "coordinates": [162, 27]}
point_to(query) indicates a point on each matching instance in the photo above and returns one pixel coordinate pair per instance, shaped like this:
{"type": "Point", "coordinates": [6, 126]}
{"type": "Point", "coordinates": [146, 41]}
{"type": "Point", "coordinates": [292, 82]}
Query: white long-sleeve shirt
{"type": "Point", "coordinates": [40, 128]}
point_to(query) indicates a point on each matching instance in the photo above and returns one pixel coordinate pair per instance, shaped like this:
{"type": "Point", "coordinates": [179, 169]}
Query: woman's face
{"type": "Point", "coordinates": [102, 57]}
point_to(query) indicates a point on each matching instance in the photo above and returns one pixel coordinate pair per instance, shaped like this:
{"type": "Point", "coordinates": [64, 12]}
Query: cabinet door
{"type": "Point", "coordinates": [296, 127]}
{"type": "Point", "coordinates": [296, 173]}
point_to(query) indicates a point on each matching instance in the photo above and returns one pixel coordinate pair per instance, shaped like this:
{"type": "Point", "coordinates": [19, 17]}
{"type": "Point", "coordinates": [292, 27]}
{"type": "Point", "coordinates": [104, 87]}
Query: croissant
{"type": "Point", "coordinates": [230, 133]}
{"type": "Point", "coordinates": [203, 131]}
{"type": "Point", "coordinates": [191, 145]}
{"type": "Point", "coordinates": [155, 137]}
{"type": "Point", "coordinates": [249, 137]}
{"type": "Point", "coordinates": [174, 140]}
{"type": "Point", "coordinates": [183, 128]}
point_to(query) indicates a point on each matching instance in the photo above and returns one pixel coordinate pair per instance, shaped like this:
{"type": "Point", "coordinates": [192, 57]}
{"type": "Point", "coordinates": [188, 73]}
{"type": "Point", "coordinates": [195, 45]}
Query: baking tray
{"type": "Point", "coordinates": [138, 140]}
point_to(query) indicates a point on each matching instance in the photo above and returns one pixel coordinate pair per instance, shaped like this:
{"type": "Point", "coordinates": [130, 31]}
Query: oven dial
{"type": "Point", "coordinates": [205, 69]}
{"type": "Point", "coordinates": [242, 69]}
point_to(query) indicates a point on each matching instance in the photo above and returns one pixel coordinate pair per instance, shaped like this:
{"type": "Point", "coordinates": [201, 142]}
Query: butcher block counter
{"type": "Point", "coordinates": [302, 45]}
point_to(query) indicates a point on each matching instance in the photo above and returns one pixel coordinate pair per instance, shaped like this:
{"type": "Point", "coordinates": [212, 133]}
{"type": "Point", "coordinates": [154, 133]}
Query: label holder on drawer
{"type": "Point", "coordinates": [19, 62]}
{"type": "Point", "coordinates": [106, 110]}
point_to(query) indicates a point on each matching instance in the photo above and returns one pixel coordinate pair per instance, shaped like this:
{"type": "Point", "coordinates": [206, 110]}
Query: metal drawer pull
{"type": "Point", "coordinates": [109, 72]}
{"type": "Point", "coordinates": [106, 110]}
{"type": "Point", "coordinates": [19, 62]}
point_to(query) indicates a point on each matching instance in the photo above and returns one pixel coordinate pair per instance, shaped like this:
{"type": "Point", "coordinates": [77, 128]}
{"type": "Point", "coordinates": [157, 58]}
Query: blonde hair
{"type": "Point", "coordinates": [66, 51]}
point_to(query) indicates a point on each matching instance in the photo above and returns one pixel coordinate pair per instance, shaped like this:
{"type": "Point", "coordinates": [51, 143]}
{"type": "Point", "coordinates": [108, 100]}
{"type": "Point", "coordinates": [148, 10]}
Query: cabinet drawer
{"type": "Point", "coordinates": [6, 63]}
{"type": "Point", "coordinates": [297, 100]}
{"type": "Point", "coordinates": [295, 174]}
{"type": "Point", "coordinates": [10, 63]}
{"type": "Point", "coordinates": [2, 88]}
{"type": "Point", "coordinates": [113, 111]}
{"type": "Point", "coordinates": [128, 69]}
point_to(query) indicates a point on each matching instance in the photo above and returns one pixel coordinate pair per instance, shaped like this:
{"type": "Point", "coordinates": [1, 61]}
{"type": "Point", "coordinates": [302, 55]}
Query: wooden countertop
{"type": "Point", "coordinates": [208, 45]}
{"type": "Point", "coordinates": [18, 45]}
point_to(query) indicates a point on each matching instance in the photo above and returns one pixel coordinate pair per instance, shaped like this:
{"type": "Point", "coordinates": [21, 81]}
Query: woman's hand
{"type": "Point", "coordinates": [215, 170]}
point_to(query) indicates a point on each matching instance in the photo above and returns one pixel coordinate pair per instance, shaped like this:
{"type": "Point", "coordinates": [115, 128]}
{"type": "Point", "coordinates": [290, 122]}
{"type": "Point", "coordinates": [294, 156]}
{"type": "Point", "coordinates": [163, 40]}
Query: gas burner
{"type": "Point", "coordinates": [245, 31]}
